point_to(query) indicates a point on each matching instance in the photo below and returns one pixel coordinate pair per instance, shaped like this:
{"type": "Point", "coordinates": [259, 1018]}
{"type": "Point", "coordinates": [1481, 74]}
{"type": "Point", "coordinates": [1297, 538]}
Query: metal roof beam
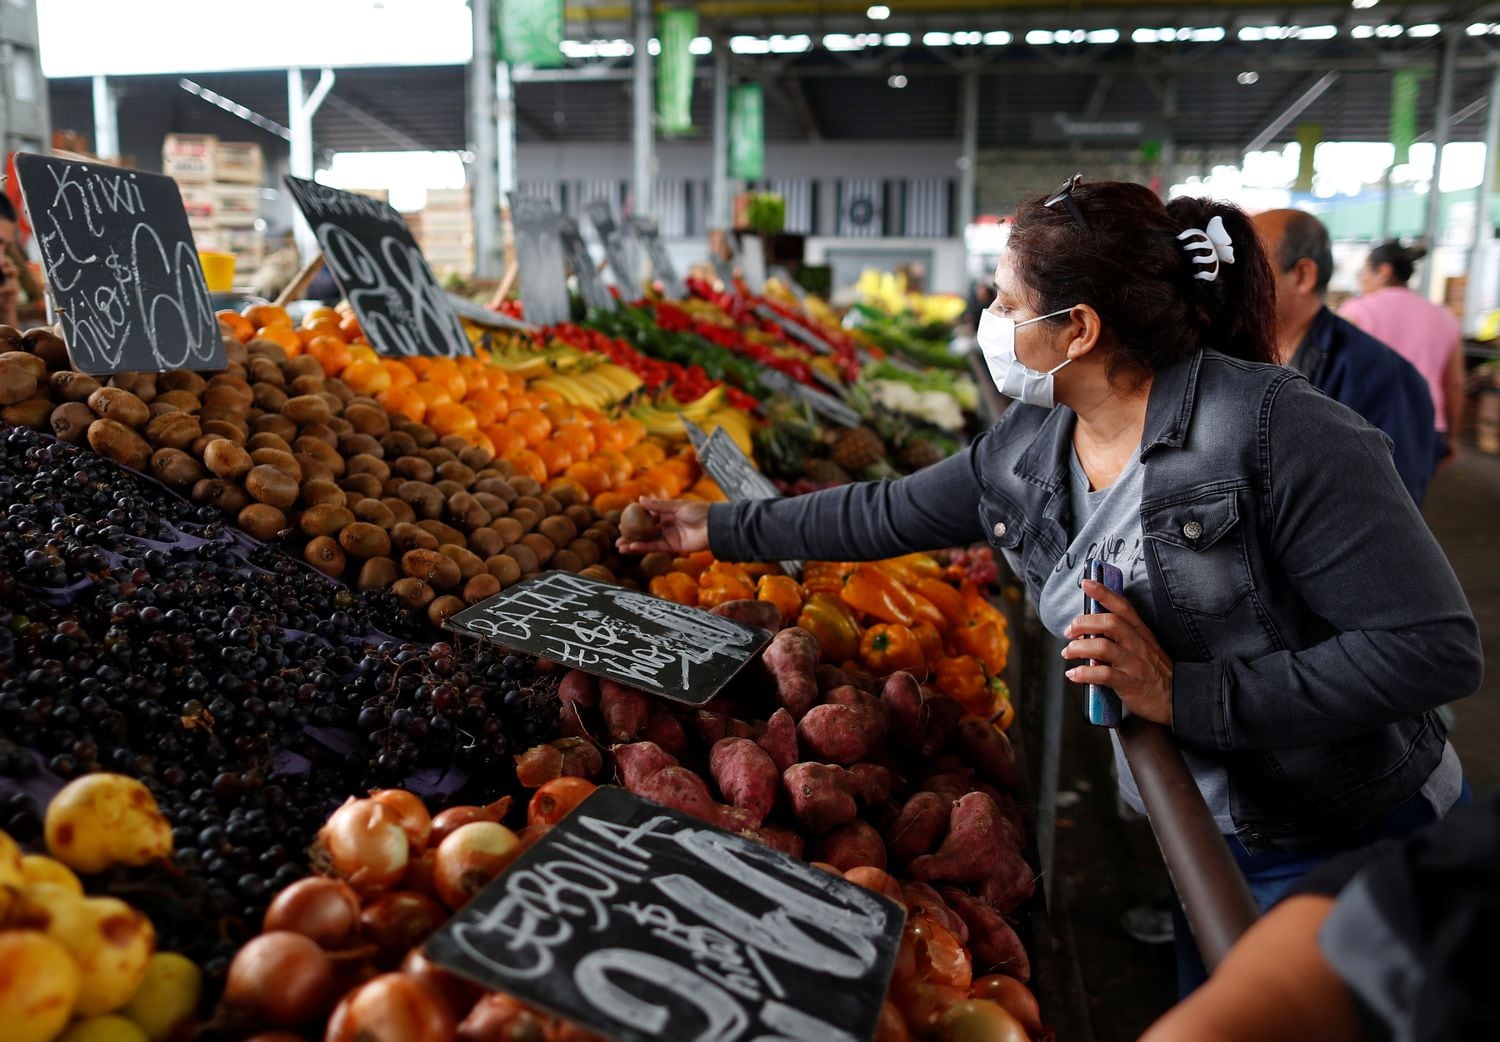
{"type": "Point", "coordinates": [1289, 108]}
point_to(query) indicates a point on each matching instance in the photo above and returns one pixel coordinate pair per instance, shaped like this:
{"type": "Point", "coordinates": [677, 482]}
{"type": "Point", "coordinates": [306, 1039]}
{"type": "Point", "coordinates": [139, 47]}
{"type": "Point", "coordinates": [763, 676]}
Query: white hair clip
{"type": "Point", "coordinates": [1208, 246]}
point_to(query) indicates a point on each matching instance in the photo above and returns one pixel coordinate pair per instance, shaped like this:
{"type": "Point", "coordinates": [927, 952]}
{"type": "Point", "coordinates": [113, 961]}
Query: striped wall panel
{"type": "Point", "coordinates": [928, 209]}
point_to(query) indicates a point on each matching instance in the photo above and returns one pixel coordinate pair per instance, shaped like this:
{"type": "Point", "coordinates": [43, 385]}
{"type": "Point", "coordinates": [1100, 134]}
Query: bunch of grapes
{"type": "Point", "coordinates": [975, 564]}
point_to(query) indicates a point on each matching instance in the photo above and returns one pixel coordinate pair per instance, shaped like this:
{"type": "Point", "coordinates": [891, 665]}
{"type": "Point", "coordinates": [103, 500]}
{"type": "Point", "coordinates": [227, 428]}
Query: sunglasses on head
{"type": "Point", "coordinates": [1064, 195]}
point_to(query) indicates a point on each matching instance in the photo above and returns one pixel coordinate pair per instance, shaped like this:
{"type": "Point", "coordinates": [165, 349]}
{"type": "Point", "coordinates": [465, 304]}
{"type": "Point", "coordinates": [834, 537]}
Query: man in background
{"type": "Point", "coordinates": [1338, 358]}
{"type": "Point", "coordinates": [10, 285]}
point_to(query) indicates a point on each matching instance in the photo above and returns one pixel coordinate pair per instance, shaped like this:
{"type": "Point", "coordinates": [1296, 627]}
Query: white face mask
{"type": "Point", "coordinates": [997, 341]}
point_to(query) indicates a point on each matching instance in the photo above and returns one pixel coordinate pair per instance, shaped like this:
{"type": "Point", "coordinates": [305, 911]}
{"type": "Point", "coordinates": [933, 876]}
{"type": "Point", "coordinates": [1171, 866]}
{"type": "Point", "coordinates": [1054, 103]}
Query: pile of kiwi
{"type": "Point", "coordinates": [291, 453]}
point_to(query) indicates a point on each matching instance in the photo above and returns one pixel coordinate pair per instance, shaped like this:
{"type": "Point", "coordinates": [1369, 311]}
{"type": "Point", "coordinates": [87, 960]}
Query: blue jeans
{"type": "Point", "coordinates": [1271, 873]}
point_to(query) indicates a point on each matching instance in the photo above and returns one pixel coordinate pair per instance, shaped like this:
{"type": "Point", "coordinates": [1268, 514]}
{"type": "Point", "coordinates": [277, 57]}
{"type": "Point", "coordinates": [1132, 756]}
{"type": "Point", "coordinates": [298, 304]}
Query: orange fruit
{"type": "Point", "coordinates": [283, 335]}
{"type": "Point", "coordinates": [615, 500]}
{"type": "Point", "coordinates": [527, 463]}
{"type": "Point", "coordinates": [321, 314]}
{"type": "Point", "coordinates": [631, 490]}
{"type": "Point", "coordinates": [489, 407]}
{"type": "Point", "coordinates": [631, 430]}
{"type": "Point", "coordinates": [404, 401]}
{"type": "Point", "coordinates": [504, 439]}
{"type": "Point", "coordinates": [242, 327]}
{"type": "Point", "coordinates": [577, 439]}
{"type": "Point", "coordinates": [432, 393]}
{"type": "Point", "coordinates": [554, 484]}
{"type": "Point", "coordinates": [555, 455]}
{"type": "Point", "coordinates": [331, 352]}
{"type": "Point", "coordinates": [401, 376]}
{"type": "Point", "coordinates": [615, 465]}
{"type": "Point", "coordinates": [418, 364]}
{"type": "Point", "coordinates": [545, 394]}
{"type": "Point", "coordinates": [532, 424]}
{"type": "Point", "coordinates": [657, 483]}
{"type": "Point", "coordinates": [645, 455]}
{"type": "Point", "coordinates": [707, 489]}
{"type": "Point", "coordinates": [479, 438]}
{"type": "Point", "coordinates": [364, 377]}
{"type": "Point", "coordinates": [589, 476]}
{"type": "Point", "coordinates": [450, 418]}
{"type": "Point", "coordinates": [684, 469]}
{"type": "Point", "coordinates": [260, 315]}
{"type": "Point", "coordinates": [349, 328]}
{"type": "Point", "coordinates": [558, 412]}
{"type": "Point", "coordinates": [445, 371]}
{"type": "Point", "coordinates": [362, 353]}
{"type": "Point", "coordinates": [321, 327]}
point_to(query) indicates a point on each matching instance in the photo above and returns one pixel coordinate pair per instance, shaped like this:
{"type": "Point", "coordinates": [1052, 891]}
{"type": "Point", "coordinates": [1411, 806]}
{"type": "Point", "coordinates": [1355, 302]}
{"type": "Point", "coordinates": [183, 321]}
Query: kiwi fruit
{"type": "Point", "coordinates": [523, 516]}
{"type": "Point", "coordinates": [322, 493]}
{"type": "Point", "coordinates": [567, 495]}
{"type": "Point", "coordinates": [492, 504]}
{"type": "Point", "coordinates": [424, 499]}
{"type": "Point", "coordinates": [550, 505]}
{"type": "Point", "coordinates": [503, 467]}
{"type": "Point", "coordinates": [559, 529]}
{"type": "Point", "coordinates": [260, 347]}
{"type": "Point", "coordinates": [443, 533]}
{"type": "Point", "coordinates": [321, 432]}
{"type": "Point", "coordinates": [362, 539]}
{"type": "Point", "coordinates": [377, 573]}
{"type": "Point", "coordinates": [368, 419]}
{"type": "Point", "coordinates": [26, 360]}
{"type": "Point", "coordinates": [334, 406]}
{"type": "Point", "coordinates": [183, 400]}
{"type": "Point", "coordinates": [486, 542]}
{"type": "Point", "coordinates": [17, 382]}
{"type": "Point", "coordinates": [268, 397]}
{"type": "Point", "coordinates": [363, 463]}
{"type": "Point", "coordinates": [437, 456]}
{"type": "Point", "coordinates": [352, 445]}
{"type": "Point", "coordinates": [414, 468]}
{"type": "Point", "coordinates": [449, 489]}
{"type": "Point", "coordinates": [503, 567]}
{"type": "Point", "coordinates": [265, 371]}
{"type": "Point", "coordinates": [508, 529]}
{"type": "Point", "coordinates": [267, 440]}
{"type": "Point", "coordinates": [541, 546]}
{"type": "Point", "coordinates": [11, 339]}
{"type": "Point", "coordinates": [366, 485]}
{"type": "Point", "coordinates": [306, 408]}
{"type": "Point", "coordinates": [174, 430]}
{"type": "Point", "coordinates": [398, 443]}
{"type": "Point", "coordinates": [421, 435]}
{"type": "Point", "coordinates": [224, 398]}
{"type": "Point", "coordinates": [314, 469]}
{"type": "Point", "coordinates": [325, 519]}
{"type": "Point", "coordinates": [182, 380]}
{"type": "Point", "coordinates": [376, 513]}
{"type": "Point", "coordinates": [399, 509]}
{"type": "Point", "coordinates": [653, 564]}
{"type": "Point", "coordinates": [581, 516]}
{"type": "Point", "coordinates": [524, 557]}
{"type": "Point", "coordinates": [320, 450]}
{"type": "Point", "coordinates": [431, 567]}
{"type": "Point", "coordinates": [226, 495]}
{"type": "Point", "coordinates": [444, 608]}
{"type": "Point", "coordinates": [567, 561]}
{"type": "Point", "coordinates": [588, 553]}
{"type": "Point", "coordinates": [531, 503]}
{"type": "Point", "coordinates": [271, 485]}
{"type": "Point", "coordinates": [70, 422]}
{"type": "Point", "coordinates": [525, 485]}
{"type": "Point", "coordinates": [33, 412]}
{"type": "Point", "coordinates": [302, 365]}
{"type": "Point", "coordinates": [498, 487]}
{"type": "Point", "coordinates": [142, 385]}
{"type": "Point", "coordinates": [469, 565]}
{"type": "Point", "coordinates": [235, 432]}
{"type": "Point", "coordinates": [481, 586]}
{"type": "Point", "coordinates": [414, 594]}
{"type": "Point", "coordinates": [73, 386]}
{"type": "Point", "coordinates": [599, 573]}
{"type": "Point", "coordinates": [456, 471]}
{"type": "Point", "coordinates": [114, 440]}
{"type": "Point", "coordinates": [407, 536]}
{"type": "Point", "coordinates": [282, 461]}
{"type": "Point", "coordinates": [475, 457]}
{"type": "Point", "coordinates": [118, 404]}
{"type": "Point", "coordinates": [261, 520]}
{"type": "Point", "coordinates": [176, 468]}
{"type": "Point", "coordinates": [324, 555]}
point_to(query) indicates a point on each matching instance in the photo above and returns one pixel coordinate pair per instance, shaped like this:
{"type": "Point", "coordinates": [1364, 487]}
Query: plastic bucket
{"type": "Point", "coordinates": [218, 271]}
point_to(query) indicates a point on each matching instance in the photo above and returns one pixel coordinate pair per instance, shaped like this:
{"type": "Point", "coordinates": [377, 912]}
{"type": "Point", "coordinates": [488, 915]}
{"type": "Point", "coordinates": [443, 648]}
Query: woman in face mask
{"type": "Point", "coordinates": [1285, 610]}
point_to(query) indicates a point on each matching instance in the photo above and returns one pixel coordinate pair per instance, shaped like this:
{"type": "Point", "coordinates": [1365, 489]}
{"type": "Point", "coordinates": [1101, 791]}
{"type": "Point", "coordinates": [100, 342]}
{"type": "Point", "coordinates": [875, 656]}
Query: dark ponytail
{"type": "Point", "coordinates": [1131, 267]}
{"type": "Point", "coordinates": [1402, 259]}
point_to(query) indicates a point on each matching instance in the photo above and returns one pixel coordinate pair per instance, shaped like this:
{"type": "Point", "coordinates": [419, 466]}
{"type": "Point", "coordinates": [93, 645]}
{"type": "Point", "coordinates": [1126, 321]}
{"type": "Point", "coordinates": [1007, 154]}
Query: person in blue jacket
{"type": "Point", "coordinates": [1285, 610]}
{"type": "Point", "coordinates": [1339, 358]}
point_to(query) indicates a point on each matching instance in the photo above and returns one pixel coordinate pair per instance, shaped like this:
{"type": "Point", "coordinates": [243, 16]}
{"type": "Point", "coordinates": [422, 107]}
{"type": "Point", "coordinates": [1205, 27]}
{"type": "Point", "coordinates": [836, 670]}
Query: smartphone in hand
{"type": "Point", "coordinates": [1101, 703]}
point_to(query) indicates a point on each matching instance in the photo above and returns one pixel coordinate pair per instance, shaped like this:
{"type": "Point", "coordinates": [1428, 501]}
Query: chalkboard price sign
{"type": "Point", "coordinates": [595, 294]}
{"type": "Point", "coordinates": [660, 647]}
{"type": "Point", "coordinates": [794, 330]}
{"type": "Point", "coordinates": [661, 265]}
{"type": "Point", "coordinates": [539, 255]}
{"type": "Point", "coordinates": [733, 472]}
{"type": "Point", "coordinates": [121, 267]}
{"type": "Point", "coordinates": [616, 249]}
{"type": "Point", "coordinates": [381, 272]}
{"type": "Point", "coordinates": [825, 405]}
{"type": "Point", "coordinates": [696, 435]}
{"type": "Point", "coordinates": [642, 923]}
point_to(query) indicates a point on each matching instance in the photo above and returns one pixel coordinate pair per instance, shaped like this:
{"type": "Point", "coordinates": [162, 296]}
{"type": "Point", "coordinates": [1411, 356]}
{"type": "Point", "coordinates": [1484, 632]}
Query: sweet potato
{"type": "Point", "coordinates": [760, 614]}
{"type": "Point", "coordinates": [745, 774]}
{"type": "Point", "coordinates": [919, 827]}
{"type": "Point", "coordinates": [709, 726]}
{"type": "Point", "coordinates": [877, 716]}
{"type": "Point", "coordinates": [830, 677]}
{"type": "Point", "coordinates": [791, 658]}
{"type": "Point", "coordinates": [819, 795]}
{"type": "Point", "coordinates": [625, 710]}
{"type": "Point", "coordinates": [902, 697]}
{"type": "Point", "coordinates": [871, 783]}
{"type": "Point", "coordinates": [979, 836]}
{"type": "Point", "coordinates": [636, 762]}
{"type": "Point", "coordinates": [851, 846]}
{"type": "Point", "coordinates": [664, 729]}
{"type": "Point", "coordinates": [838, 733]}
{"type": "Point", "coordinates": [952, 786]}
{"type": "Point", "coordinates": [992, 943]}
{"type": "Point", "coordinates": [989, 750]}
{"type": "Point", "coordinates": [780, 740]}
{"type": "Point", "coordinates": [578, 688]}
{"type": "Point", "coordinates": [564, 758]}
{"type": "Point", "coordinates": [878, 880]}
{"type": "Point", "coordinates": [943, 716]}
{"type": "Point", "coordinates": [1011, 885]}
{"type": "Point", "coordinates": [680, 789]}
{"type": "Point", "coordinates": [778, 838]}
{"type": "Point", "coordinates": [921, 899]}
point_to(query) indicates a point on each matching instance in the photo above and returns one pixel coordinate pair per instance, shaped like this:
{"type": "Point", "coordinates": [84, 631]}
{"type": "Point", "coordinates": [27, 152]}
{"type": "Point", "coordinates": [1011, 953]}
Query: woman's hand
{"type": "Point", "coordinates": [683, 528]}
{"type": "Point", "coordinates": [1129, 659]}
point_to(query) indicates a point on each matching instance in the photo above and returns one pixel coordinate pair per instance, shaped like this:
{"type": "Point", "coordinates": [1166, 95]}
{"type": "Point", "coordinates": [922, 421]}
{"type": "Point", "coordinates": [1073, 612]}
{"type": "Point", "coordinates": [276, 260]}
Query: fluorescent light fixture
{"type": "Point", "coordinates": [841, 42]}
{"type": "Point", "coordinates": [878, 12]}
{"type": "Point", "coordinates": [1364, 32]}
{"type": "Point", "coordinates": [1389, 31]}
{"type": "Point", "coordinates": [1248, 78]}
{"type": "Point", "coordinates": [897, 81]}
{"type": "Point", "coordinates": [1363, 5]}
{"type": "Point", "coordinates": [972, 38]}
{"type": "Point", "coordinates": [1317, 32]}
{"type": "Point", "coordinates": [582, 49]}
{"type": "Point", "coordinates": [898, 39]}
{"type": "Point", "coordinates": [1103, 36]}
{"type": "Point", "coordinates": [702, 45]}
{"type": "Point", "coordinates": [997, 38]}
{"type": "Point", "coordinates": [1039, 37]}
{"type": "Point", "coordinates": [939, 39]}
{"type": "Point", "coordinates": [1425, 29]}
{"type": "Point", "coordinates": [795, 44]}
{"type": "Point", "coordinates": [1252, 33]}
{"type": "Point", "coordinates": [1211, 34]}
{"type": "Point", "coordinates": [653, 47]}
{"type": "Point", "coordinates": [1146, 36]}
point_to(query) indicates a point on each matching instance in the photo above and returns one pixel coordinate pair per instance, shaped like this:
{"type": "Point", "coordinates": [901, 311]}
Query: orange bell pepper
{"type": "Point", "coordinates": [947, 600]}
{"type": "Point", "coordinates": [826, 576]}
{"type": "Point", "coordinates": [985, 641]}
{"type": "Point", "coordinates": [676, 586]}
{"type": "Point", "coordinates": [909, 569]}
{"type": "Point", "coordinates": [694, 564]}
{"type": "Point", "coordinates": [832, 625]}
{"type": "Point", "coordinates": [930, 640]}
{"type": "Point", "coordinates": [874, 592]}
{"type": "Point", "coordinates": [923, 610]}
{"type": "Point", "coordinates": [980, 606]}
{"type": "Point", "coordinates": [724, 582]}
{"type": "Point", "coordinates": [784, 592]}
{"type": "Point", "coordinates": [891, 648]}
{"type": "Point", "coordinates": [962, 678]}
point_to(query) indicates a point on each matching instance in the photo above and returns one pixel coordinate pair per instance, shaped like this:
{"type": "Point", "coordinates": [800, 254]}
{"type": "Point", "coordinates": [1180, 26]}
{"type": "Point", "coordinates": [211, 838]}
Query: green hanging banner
{"type": "Point", "coordinates": [674, 71]}
{"type": "Point", "coordinates": [1308, 137]}
{"type": "Point", "coordinates": [747, 133]}
{"type": "Point", "coordinates": [1405, 86]}
{"type": "Point", "coordinates": [530, 32]}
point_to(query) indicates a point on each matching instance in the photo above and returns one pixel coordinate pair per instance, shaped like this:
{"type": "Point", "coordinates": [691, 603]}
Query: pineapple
{"type": "Point", "coordinates": [919, 453]}
{"type": "Point", "coordinates": [858, 449]}
{"type": "Point", "coordinates": [825, 472]}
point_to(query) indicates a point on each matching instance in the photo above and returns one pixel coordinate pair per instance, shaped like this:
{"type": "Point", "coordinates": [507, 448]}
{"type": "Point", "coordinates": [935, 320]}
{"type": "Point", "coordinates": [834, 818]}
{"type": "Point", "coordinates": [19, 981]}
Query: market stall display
{"type": "Point", "coordinates": [222, 589]}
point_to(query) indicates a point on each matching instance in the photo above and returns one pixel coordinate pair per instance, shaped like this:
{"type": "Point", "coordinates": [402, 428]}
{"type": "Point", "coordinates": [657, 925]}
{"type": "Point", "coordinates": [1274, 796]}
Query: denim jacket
{"type": "Point", "coordinates": [1313, 622]}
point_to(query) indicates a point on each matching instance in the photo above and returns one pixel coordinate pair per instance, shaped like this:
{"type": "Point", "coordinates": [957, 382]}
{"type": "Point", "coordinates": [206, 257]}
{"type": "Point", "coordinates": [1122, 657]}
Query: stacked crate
{"type": "Point", "coordinates": [221, 191]}
{"type": "Point", "coordinates": [445, 230]}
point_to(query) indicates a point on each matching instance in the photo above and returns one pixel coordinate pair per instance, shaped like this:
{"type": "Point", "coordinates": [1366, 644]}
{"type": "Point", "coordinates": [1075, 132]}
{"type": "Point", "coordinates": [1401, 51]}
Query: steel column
{"type": "Point", "coordinates": [1484, 228]}
{"type": "Point", "coordinates": [968, 160]}
{"type": "Point", "coordinates": [482, 133]}
{"type": "Point", "coordinates": [1452, 37]}
{"type": "Point", "coordinates": [719, 207]}
{"type": "Point", "coordinates": [643, 132]}
{"type": "Point", "coordinates": [106, 119]}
